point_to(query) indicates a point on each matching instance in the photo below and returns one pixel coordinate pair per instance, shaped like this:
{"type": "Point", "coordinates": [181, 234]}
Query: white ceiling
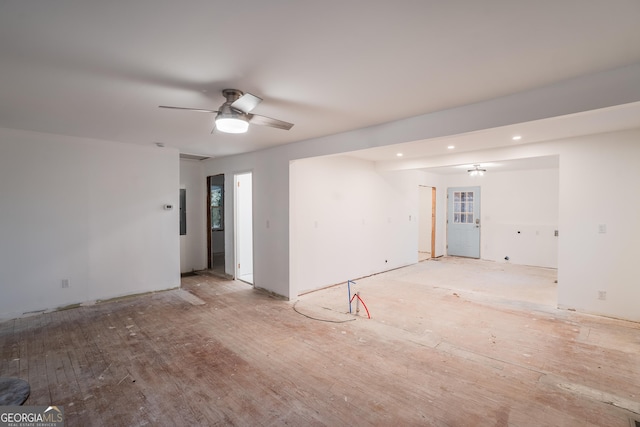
{"type": "Point", "coordinates": [434, 155]}
{"type": "Point", "coordinates": [100, 69]}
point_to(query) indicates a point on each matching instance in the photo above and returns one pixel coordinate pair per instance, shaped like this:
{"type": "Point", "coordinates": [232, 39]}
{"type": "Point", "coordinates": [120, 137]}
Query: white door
{"type": "Point", "coordinates": [463, 221]}
{"type": "Point", "coordinates": [244, 227]}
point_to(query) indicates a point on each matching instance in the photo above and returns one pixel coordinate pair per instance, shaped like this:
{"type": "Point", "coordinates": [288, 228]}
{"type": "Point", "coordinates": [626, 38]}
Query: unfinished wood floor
{"type": "Point", "coordinates": [438, 351]}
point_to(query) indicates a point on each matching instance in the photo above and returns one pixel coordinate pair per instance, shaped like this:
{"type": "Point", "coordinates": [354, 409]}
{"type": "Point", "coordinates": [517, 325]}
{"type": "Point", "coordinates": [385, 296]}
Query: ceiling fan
{"type": "Point", "coordinates": [234, 116]}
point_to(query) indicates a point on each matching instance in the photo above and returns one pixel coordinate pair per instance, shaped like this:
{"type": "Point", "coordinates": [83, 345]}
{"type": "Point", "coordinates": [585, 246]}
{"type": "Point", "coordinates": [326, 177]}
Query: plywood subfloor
{"type": "Point", "coordinates": [438, 351]}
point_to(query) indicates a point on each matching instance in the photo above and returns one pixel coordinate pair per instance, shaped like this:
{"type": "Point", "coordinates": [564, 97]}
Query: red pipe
{"type": "Point", "coordinates": [365, 305]}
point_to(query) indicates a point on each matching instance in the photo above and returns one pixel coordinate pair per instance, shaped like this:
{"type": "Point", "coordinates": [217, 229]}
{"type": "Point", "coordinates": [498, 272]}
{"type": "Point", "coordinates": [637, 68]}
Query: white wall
{"type": "Point", "coordinates": [193, 246]}
{"type": "Point", "coordinates": [87, 211]}
{"type": "Point", "coordinates": [270, 171]}
{"type": "Point", "coordinates": [599, 177]}
{"type": "Point", "coordinates": [523, 201]}
{"type": "Point", "coordinates": [348, 220]}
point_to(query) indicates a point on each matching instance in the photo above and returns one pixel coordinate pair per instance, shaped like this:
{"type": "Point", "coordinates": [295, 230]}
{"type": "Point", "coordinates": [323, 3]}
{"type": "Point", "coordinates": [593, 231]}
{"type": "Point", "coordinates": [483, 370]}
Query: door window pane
{"type": "Point", "coordinates": [216, 207]}
{"type": "Point", "coordinates": [463, 207]}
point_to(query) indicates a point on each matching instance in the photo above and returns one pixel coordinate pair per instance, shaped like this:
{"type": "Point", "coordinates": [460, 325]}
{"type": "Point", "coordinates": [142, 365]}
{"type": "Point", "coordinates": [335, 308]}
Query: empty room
{"type": "Point", "coordinates": [329, 213]}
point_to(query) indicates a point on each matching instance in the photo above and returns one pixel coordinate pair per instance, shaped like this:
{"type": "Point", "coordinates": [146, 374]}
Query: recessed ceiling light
{"type": "Point", "coordinates": [451, 147]}
{"type": "Point", "coordinates": [517, 138]}
{"type": "Point", "coordinates": [399, 154]}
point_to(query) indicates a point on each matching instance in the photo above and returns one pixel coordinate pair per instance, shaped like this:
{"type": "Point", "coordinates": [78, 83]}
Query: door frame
{"type": "Point", "coordinates": [208, 216]}
{"type": "Point", "coordinates": [433, 222]}
{"type": "Point", "coordinates": [433, 218]}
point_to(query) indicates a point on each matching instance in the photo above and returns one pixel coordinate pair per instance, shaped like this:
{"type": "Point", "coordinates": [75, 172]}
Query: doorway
{"type": "Point", "coordinates": [426, 223]}
{"type": "Point", "coordinates": [215, 224]}
{"type": "Point", "coordinates": [463, 221]}
{"type": "Point", "coordinates": [244, 227]}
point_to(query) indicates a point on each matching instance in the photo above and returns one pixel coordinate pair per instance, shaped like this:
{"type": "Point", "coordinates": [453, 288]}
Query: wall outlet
{"type": "Point", "coordinates": [602, 295]}
{"type": "Point", "coordinates": [602, 228]}
{"type": "Point", "coordinates": [65, 283]}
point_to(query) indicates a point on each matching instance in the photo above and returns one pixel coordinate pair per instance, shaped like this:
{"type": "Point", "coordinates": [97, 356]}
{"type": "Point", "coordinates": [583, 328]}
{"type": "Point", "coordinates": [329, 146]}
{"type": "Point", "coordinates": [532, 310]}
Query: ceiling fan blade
{"type": "Point", "coordinates": [199, 110]}
{"type": "Point", "coordinates": [254, 119]}
{"type": "Point", "coordinates": [246, 103]}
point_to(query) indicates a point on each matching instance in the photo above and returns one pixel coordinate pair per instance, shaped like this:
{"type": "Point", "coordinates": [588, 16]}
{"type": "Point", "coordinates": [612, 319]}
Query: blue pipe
{"type": "Point", "coordinates": [349, 282]}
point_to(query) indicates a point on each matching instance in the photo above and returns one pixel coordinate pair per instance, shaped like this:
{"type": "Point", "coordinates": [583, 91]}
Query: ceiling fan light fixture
{"type": "Point", "coordinates": [476, 171]}
{"type": "Point", "coordinates": [234, 115]}
{"type": "Point", "coordinates": [231, 124]}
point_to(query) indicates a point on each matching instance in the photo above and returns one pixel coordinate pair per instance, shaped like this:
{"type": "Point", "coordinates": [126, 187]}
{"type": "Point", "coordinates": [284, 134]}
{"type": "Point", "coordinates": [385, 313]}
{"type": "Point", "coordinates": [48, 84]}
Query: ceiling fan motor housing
{"type": "Point", "coordinates": [231, 95]}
